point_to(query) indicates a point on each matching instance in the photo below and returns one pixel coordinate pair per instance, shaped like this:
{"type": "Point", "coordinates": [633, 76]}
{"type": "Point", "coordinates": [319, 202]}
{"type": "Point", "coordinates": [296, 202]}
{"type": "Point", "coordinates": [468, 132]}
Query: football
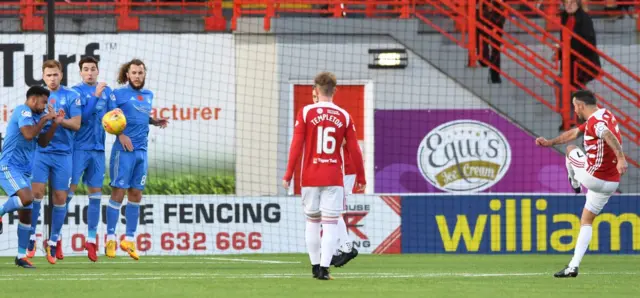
{"type": "Point", "coordinates": [114, 122]}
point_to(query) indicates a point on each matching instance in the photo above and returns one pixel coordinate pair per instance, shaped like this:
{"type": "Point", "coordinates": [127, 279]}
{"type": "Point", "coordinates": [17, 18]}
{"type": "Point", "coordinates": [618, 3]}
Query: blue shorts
{"type": "Point", "coordinates": [128, 169]}
{"type": "Point", "coordinates": [90, 163]}
{"type": "Point", "coordinates": [58, 165]}
{"type": "Point", "coordinates": [12, 180]}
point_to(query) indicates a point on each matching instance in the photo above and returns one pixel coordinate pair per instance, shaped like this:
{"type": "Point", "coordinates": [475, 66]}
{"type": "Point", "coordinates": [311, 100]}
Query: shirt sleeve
{"type": "Point", "coordinates": [583, 127]}
{"type": "Point", "coordinates": [297, 144]}
{"type": "Point", "coordinates": [25, 118]}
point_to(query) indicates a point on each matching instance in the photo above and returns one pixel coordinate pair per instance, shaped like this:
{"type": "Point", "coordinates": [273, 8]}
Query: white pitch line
{"type": "Point", "coordinates": [249, 260]}
{"type": "Point", "coordinates": [127, 262]}
{"type": "Point", "coordinates": [191, 276]}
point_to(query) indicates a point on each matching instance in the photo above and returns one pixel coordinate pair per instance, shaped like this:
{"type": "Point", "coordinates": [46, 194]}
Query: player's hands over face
{"type": "Point", "coordinates": [100, 89]}
{"type": "Point", "coordinates": [60, 116]}
{"type": "Point", "coordinates": [622, 166]}
{"type": "Point", "coordinates": [543, 142]}
{"type": "Point", "coordinates": [51, 114]}
{"type": "Point", "coordinates": [126, 142]}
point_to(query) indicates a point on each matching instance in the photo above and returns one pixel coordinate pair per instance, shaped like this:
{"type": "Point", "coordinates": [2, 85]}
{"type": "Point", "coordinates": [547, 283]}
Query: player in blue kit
{"type": "Point", "coordinates": [24, 129]}
{"type": "Point", "coordinates": [128, 164]}
{"type": "Point", "coordinates": [88, 151]}
{"type": "Point", "coordinates": [55, 160]}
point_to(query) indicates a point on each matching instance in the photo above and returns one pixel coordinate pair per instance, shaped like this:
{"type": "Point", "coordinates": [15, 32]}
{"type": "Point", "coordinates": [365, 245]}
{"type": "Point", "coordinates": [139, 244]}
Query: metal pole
{"type": "Point", "coordinates": [51, 54]}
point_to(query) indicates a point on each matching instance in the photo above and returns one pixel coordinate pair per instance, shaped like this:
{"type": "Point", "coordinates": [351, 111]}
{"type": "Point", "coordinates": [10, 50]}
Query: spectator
{"type": "Point", "coordinates": [577, 20]}
{"type": "Point", "coordinates": [493, 18]}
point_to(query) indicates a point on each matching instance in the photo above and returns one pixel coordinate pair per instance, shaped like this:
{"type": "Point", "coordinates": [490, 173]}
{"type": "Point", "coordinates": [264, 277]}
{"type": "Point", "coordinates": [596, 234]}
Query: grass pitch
{"type": "Point", "coordinates": [270, 275]}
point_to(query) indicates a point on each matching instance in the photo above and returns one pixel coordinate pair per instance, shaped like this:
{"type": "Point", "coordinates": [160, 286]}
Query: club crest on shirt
{"type": "Point", "coordinates": [319, 110]}
{"type": "Point", "coordinates": [26, 113]}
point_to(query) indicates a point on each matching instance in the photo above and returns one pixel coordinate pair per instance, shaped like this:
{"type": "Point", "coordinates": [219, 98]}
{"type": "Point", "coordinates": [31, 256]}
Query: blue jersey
{"type": "Point", "coordinates": [70, 101]}
{"type": "Point", "coordinates": [17, 151]}
{"type": "Point", "coordinates": [91, 134]}
{"type": "Point", "coordinates": [136, 107]}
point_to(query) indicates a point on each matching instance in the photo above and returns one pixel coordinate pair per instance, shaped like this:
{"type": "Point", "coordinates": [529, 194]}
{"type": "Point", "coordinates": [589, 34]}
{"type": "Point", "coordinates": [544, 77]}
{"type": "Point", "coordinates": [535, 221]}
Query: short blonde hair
{"type": "Point", "coordinates": [326, 83]}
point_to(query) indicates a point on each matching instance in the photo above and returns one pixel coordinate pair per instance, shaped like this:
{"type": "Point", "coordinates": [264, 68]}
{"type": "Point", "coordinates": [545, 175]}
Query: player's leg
{"type": "Point", "coordinates": [24, 229]}
{"type": "Point", "coordinates": [575, 162]}
{"type": "Point", "coordinates": [41, 169]}
{"type": "Point", "coordinates": [134, 197]}
{"type": "Point", "coordinates": [331, 206]}
{"type": "Point", "coordinates": [61, 180]}
{"type": "Point", "coordinates": [93, 179]}
{"type": "Point", "coordinates": [120, 171]}
{"type": "Point", "coordinates": [311, 204]}
{"type": "Point", "coordinates": [596, 200]}
{"type": "Point", "coordinates": [16, 185]}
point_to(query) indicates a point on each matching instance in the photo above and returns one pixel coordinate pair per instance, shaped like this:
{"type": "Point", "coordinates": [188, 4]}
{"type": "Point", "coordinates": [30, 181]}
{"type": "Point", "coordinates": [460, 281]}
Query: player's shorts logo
{"type": "Point", "coordinates": [464, 156]}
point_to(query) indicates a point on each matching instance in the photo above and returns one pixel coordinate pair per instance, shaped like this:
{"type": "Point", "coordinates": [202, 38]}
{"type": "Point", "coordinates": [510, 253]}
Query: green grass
{"type": "Point", "coordinates": [385, 276]}
{"type": "Point", "coordinates": [184, 184]}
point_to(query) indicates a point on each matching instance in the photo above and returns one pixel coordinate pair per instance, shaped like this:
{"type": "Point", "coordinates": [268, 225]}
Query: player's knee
{"type": "Point", "coordinates": [570, 148]}
{"type": "Point", "coordinates": [134, 195]}
{"type": "Point", "coordinates": [117, 194]}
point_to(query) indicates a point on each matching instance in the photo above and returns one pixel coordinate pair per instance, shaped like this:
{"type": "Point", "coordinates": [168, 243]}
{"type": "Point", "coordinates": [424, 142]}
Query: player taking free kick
{"type": "Point", "coordinates": [598, 170]}
{"type": "Point", "coordinates": [128, 164]}
{"type": "Point", "coordinates": [319, 130]}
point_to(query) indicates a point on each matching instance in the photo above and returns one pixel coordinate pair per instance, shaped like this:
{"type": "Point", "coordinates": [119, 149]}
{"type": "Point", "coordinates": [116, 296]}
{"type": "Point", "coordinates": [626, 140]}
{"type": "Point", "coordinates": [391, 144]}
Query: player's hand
{"type": "Point", "coordinates": [100, 89]}
{"type": "Point", "coordinates": [126, 142]}
{"type": "Point", "coordinates": [622, 166]}
{"type": "Point", "coordinates": [60, 116]}
{"type": "Point", "coordinates": [50, 113]}
{"type": "Point", "coordinates": [162, 123]}
{"type": "Point", "coordinates": [543, 142]}
{"type": "Point", "coordinates": [360, 187]}
{"type": "Point", "coordinates": [286, 184]}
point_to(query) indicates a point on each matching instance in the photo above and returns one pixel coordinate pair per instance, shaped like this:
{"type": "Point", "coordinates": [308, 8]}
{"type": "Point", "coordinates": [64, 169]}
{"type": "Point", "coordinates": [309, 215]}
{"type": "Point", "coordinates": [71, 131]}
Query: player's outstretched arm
{"type": "Point", "coordinates": [563, 138]}
{"type": "Point", "coordinates": [612, 141]}
{"type": "Point", "coordinates": [162, 123]}
{"type": "Point", "coordinates": [31, 131]}
{"type": "Point", "coordinates": [45, 138]}
{"type": "Point", "coordinates": [297, 144]}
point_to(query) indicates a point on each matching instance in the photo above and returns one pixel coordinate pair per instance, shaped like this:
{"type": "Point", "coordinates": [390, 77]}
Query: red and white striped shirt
{"type": "Point", "coordinates": [601, 159]}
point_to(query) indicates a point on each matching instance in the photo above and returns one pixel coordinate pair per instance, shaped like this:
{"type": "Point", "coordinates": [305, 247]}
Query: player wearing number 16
{"type": "Point", "coordinates": [319, 130]}
{"type": "Point", "coordinates": [128, 164]}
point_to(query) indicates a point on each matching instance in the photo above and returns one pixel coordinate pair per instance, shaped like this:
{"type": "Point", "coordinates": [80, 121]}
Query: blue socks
{"type": "Point", "coordinates": [35, 213]}
{"type": "Point", "coordinates": [132, 214]}
{"type": "Point", "coordinates": [23, 239]}
{"type": "Point", "coordinates": [12, 204]}
{"type": "Point", "coordinates": [113, 212]}
{"type": "Point", "coordinates": [69, 197]}
{"type": "Point", "coordinates": [93, 215]}
{"type": "Point", "coordinates": [57, 220]}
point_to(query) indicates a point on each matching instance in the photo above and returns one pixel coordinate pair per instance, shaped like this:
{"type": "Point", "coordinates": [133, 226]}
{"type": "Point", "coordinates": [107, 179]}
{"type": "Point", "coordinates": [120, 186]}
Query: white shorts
{"type": "Point", "coordinates": [324, 201]}
{"type": "Point", "coordinates": [349, 182]}
{"type": "Point", "coordinates": [598, 191]}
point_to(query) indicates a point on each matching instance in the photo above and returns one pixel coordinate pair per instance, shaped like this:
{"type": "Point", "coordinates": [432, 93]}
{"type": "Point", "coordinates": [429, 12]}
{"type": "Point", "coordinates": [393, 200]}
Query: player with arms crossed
{"type": "Point", "coordinates": [345, 252]}
{"type": "Point", "coordinates": [598, 170]}
{"type": "Point", "coordinates": [319, 130]}
{"type": "Point", "coordinates": [128, 164]}
{"type": "Point", "coordinates": [55, 160]}
{"type": "Point", "coordinates": [16, 160]}
{"type": "Point", "coordinates": [88, 151]}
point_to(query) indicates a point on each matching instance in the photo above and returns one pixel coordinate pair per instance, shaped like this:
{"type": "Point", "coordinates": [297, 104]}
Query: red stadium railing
{"type": "Point", "coordinates": [127, 12]}
{"type": "Point", "coordinates": [542, 68]}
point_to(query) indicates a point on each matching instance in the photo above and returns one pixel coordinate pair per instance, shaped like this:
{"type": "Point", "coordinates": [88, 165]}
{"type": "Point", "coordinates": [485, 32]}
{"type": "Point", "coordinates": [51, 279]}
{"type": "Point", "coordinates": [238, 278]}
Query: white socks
{"type": "Point", "coordinates": [572, 175]}
{"type": "Point", "coordinates": [344, 239]}
{"type": "Point", "coordinates": [312, 237]}
{"type": "Point", "coordinates": [584, 238]}
{"type": "Point", "coordinates": [329, 240]}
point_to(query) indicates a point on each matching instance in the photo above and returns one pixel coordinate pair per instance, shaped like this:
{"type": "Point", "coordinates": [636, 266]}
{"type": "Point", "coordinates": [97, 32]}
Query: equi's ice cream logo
{"type": "Point", "coordinates": [464, 156]}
